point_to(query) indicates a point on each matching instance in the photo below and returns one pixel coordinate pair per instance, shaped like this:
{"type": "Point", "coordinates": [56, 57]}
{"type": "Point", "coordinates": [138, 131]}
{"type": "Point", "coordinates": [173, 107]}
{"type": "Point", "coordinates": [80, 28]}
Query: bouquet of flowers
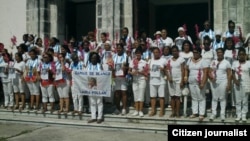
{"type": "Point", "coordinates": [239, 72]}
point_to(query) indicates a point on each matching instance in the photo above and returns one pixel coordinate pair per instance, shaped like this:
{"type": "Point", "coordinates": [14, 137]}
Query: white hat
{"type": "Point", "coordinates": [181, 29]}
{"type": "Point", "coordinates": [157, 33]}
{"type": "Point", "coordinates": [247, 38]}
{"type": "Point", "coordinates": [217, 32]}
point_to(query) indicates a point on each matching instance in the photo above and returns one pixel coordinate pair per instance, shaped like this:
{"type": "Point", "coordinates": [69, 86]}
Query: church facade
{"type": "Point", "coordinates": [66, 18]}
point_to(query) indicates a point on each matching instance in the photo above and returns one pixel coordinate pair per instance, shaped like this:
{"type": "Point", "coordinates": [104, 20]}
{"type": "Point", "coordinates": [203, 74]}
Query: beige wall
{"type": "Point", "coordinates": [13, 21]}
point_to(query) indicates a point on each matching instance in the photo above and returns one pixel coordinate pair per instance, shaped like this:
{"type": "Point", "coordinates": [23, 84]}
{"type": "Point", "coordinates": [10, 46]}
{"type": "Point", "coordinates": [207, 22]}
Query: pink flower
{"type": "Point", "coordinates": [239, 71]}
{"type": "Point", "coordinates": [146, 69]}
{"type": "Point", "coordinates": [199, 76]}
{"type": "Point", "coordinates": [13, 40]}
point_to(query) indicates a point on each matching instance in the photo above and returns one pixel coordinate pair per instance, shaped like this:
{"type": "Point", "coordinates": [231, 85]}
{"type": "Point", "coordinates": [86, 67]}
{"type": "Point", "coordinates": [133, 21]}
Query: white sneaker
{"type": "Point", "coordinates": [237, 119]}
{"type": "Point", "coordinates": [141, 114]}
{"type": "Point", "coordinates": [211, 117]}
{"type": "Point", "coordinates": [116, 112]}
{"type": "Point", "coordinates": [222, 118]}
{"type": "Point", "coordinates": [244, 119]}
{"type": "Point", "coordinates": [136, 113]}
{"type": "Point", "coordinates": [123, 112]}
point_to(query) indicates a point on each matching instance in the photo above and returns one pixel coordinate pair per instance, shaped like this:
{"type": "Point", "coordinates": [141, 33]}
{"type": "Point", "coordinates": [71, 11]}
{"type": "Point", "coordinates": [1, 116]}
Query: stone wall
{"type": "Point", "coordinates": [13, 21]}
{"type": "Point", "coordinates": [236, 10]}
{"type": "Point", "coordinates": [113, 15]}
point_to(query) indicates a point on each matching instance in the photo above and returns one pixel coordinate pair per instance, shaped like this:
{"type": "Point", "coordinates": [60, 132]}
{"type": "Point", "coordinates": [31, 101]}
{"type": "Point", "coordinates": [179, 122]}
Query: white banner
{"type": "Point", "coordinates": [92, 83]}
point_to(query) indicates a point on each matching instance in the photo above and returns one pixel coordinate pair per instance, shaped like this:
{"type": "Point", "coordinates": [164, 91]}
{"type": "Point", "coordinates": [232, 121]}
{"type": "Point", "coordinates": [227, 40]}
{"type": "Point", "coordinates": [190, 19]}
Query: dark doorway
{"type": "Point", "coordinates": [152, 17]}
{"type": "Point", "coordinates": [80, 18]}
{"type": "Point", "coordinates": [173, 16]}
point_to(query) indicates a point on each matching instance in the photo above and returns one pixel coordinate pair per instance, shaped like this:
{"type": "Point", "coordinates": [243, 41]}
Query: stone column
{"type": "Point", "coordinates": [38, 18]}
{"type": "Point", "coordinates": [104, 18]}
{"type": "Point", "coordinates": [57, 19]}
{"type": "Point", "coordinates": [236, 10]}
{"type": "Point", "coordinates": [112, 16]}
{"type": "Point", "coordinates": [128, 16]}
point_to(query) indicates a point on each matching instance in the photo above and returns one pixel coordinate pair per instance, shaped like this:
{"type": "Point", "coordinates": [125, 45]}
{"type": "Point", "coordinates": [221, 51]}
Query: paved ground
{"type": "Point", "coordinates": [31, 132]}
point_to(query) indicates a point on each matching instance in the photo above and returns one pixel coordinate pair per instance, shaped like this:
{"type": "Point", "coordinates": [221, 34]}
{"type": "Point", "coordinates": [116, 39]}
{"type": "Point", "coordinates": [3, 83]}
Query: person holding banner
{"type": "Point", "coordinates": [96, 102]}
{"type": "Point", "coordinates": [241, 78]}
{"type": "Point", "coordinates": [46, 71]}
{"type": "Point", "coordinates": [32, 79]}
{"type": "Point", "coordinates": [62, 82]}
{"type": "Point", "coordinates": [157, 82]}
{"type": "Point", "coordinates": [136, 69]}
{"type": "Point", "coordinates": [18, 84]}
{"type": "Point", "coordinates": [121, 62]}
{"type": "Point", "coordinates": [6, 81]}
{"type": "Point", "coordinates": [77, 99]}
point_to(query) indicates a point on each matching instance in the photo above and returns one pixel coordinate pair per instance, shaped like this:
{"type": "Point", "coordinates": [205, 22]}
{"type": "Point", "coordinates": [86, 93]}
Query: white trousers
{"type": "Point", "coordinates": [33, 88]}
{"type": "Point", "coordinates": [47, 93]}
{"type": "Point", "coordinates": [198, 99]}
{"type": "Point", "coordinates": [96, 105]}
{"type": "Point", "coordinates": [219, 94]}
{"type": "Point", "coordinates": [241, 101]}
{"type": "Point", "coordinates": [77, 101]}
{"type": "Point", "coordinates": [8, 94]}
{"type": "Point", "coordinates": [139, 87]}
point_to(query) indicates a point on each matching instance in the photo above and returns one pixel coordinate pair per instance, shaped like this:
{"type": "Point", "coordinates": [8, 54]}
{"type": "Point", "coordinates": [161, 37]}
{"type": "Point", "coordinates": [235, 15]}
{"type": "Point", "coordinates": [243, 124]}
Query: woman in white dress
{"type": "Point", "coordinates": [241, 78]}
{"type": "Point", "coordinates": [220, 77]}
{"type": "Point", "coordinates": [137, 70]}
{"type": "Point", "coordinates": [196, 76]}
{"type": "Point", "coordinates": [175, 75]}
{"type": "Point", "coordinates": [18, 84]}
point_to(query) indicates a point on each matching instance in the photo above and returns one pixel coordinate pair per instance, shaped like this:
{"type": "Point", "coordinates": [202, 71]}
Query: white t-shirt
{"type": "Point", "coordinates": [186, 56]}
{"type": "Point", "coordinates": [155, 66]}
{"type": "Point", "coordinates": [167, 42]}
{"type": "Point", "coordinates": [179, 41]}
{"type": "Point", "coordinates": [220, 70]}
{"type": "Point", "coordinates": [196, 70]}
{"type": "Point", "coordinates": [20, 66]}
{"type": "Point", "coordinates": [208, 56]}
{"type": "Point", "coordinates": [231, 55]}
{"type": "Point", "coordinates": [139, 67]}
{"type": "Point", "coordinates": [243, 70]}
{"type": "Point", "coordinates": [175, 71]}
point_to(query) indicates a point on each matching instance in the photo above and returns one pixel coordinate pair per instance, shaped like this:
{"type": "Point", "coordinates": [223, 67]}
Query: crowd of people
{"type": "Point", "coordinates": [156, 70]}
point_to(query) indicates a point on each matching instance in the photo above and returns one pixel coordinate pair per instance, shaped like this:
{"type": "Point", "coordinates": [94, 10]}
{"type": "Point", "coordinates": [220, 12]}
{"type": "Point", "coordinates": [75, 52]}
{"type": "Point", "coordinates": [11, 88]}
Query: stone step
{"type": "Point", "coordinates": [128, 118]}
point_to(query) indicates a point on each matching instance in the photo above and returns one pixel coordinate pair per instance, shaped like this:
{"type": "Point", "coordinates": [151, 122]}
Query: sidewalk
{"type": "Point", "coordinates": [30, 132]}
